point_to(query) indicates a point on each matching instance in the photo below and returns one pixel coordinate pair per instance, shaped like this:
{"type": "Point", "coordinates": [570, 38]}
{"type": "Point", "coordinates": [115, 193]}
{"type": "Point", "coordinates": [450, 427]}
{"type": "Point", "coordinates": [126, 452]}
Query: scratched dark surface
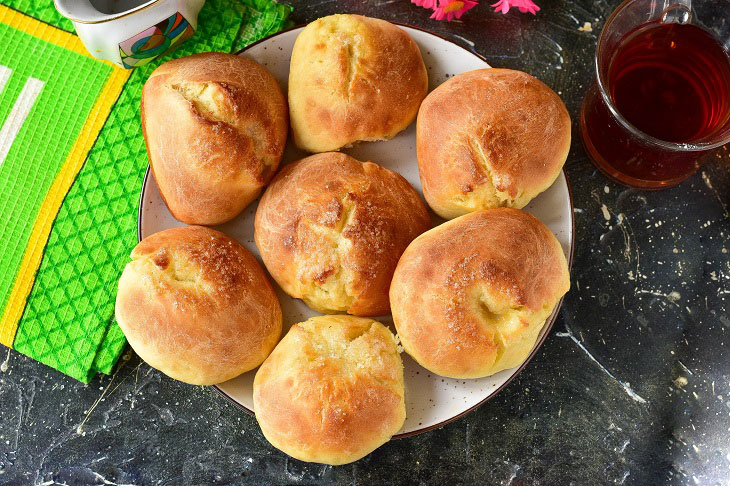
{"type": "Point", "coordinates": [631, 387]}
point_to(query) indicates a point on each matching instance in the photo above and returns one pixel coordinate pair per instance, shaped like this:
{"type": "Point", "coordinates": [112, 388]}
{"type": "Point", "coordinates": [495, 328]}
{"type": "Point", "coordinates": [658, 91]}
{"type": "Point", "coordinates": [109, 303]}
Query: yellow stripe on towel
{"type": "Point", "coordinates": [64, 179]}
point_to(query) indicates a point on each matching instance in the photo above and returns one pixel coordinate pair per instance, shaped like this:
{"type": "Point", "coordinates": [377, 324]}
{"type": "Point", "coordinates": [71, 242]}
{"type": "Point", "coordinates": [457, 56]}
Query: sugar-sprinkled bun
{"type": "Point", "coordinates": [332, 390]}
{"type": "Point", "coordinates": [353, 78]}
{"type": "Point", "coordinates": [490, 138]}
{"type": "Point", "coordinates": [215, 126]}
{"type": "Point", "coordinates": [330, 230]}
{"type": "Point", "coordinates": [470, 297]}
{"type": "Point", "coordinates": [196, 305]}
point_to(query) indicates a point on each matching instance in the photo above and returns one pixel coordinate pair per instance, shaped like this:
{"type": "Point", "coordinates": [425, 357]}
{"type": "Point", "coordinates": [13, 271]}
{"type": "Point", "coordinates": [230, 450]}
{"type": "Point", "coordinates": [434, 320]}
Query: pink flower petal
{"type": "Point", "coordinates": [498, 6]}
{"type": "Point", "coordinates": [438, 14]}
{"type": "Point", "coordinates": [523, 6]}
{"type": "Point", "coordinates": [468, 5]}
{"type": "Point", "coordinates": [450, 9]}
{"type": "Point", "coordinates": [425, 3]}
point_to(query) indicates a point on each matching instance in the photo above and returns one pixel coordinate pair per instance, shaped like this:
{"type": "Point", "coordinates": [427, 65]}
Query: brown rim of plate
{"type": "Point", "coordinates": [549, 323]}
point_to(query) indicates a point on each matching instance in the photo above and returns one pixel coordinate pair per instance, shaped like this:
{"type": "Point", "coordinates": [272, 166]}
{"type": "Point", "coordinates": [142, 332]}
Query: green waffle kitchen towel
{"type": "Point", "coordinates": [67, 320]}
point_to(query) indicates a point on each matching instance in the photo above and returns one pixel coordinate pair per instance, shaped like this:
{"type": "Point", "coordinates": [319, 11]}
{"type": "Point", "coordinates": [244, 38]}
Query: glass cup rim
{"type": "Point", "coordinates": [676, 147]}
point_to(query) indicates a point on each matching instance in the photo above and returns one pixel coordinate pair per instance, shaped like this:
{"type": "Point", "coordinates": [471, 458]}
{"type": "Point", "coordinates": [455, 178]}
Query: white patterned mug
{"type": "Point", "coordinates": [131, 33]}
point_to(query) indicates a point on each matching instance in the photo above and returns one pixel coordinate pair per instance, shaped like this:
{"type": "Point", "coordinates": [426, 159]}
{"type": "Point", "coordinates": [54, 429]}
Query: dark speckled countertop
{"type": "Point", "coordinates": [631, 387]}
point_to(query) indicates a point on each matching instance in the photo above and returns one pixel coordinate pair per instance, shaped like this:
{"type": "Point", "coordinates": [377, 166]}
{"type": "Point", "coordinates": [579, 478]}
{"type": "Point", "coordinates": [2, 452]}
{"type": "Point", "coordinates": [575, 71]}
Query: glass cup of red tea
{"type": "Point", "coordinates": [661, 100]}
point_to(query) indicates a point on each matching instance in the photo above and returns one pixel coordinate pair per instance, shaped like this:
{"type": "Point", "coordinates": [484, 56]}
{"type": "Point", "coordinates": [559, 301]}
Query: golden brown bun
{"type": "Point", "coordinates": [330, 230]}
{"type": "Point", "coordinates": [470, 297]}
{"type": "Point", "coordinates": [215, 126]}
{"type": "Point", "coordinates": [332, 390]}
{"type": "Point", "coordinates": [353, 78]}
{"type": "Point", "coordinates": [490, 138]}
{"type": "Point", "coordinates": [196, 305]}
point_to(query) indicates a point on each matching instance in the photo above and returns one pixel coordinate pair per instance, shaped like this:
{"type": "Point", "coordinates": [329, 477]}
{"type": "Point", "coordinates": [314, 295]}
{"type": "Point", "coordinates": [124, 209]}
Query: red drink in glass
{"type": "Point", "coordinates": [662, 98]}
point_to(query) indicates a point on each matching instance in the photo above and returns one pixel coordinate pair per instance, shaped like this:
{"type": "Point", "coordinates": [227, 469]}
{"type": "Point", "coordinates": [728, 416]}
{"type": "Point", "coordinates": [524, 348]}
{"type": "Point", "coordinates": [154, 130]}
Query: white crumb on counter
{"type": "Point", "coordinates": [606, 213]}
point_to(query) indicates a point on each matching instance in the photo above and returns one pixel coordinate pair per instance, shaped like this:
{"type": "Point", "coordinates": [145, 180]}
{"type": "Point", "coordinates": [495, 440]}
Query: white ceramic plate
{"type": "Point", "coordinates": [431, 401]}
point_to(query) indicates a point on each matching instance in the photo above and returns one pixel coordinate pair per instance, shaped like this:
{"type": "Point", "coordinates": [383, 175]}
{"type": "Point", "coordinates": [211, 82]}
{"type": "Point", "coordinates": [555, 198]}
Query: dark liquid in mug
{"type": "Point", "coordinates": [112, 7]}
{"type": "Point", "coordinates": [671, 81]}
